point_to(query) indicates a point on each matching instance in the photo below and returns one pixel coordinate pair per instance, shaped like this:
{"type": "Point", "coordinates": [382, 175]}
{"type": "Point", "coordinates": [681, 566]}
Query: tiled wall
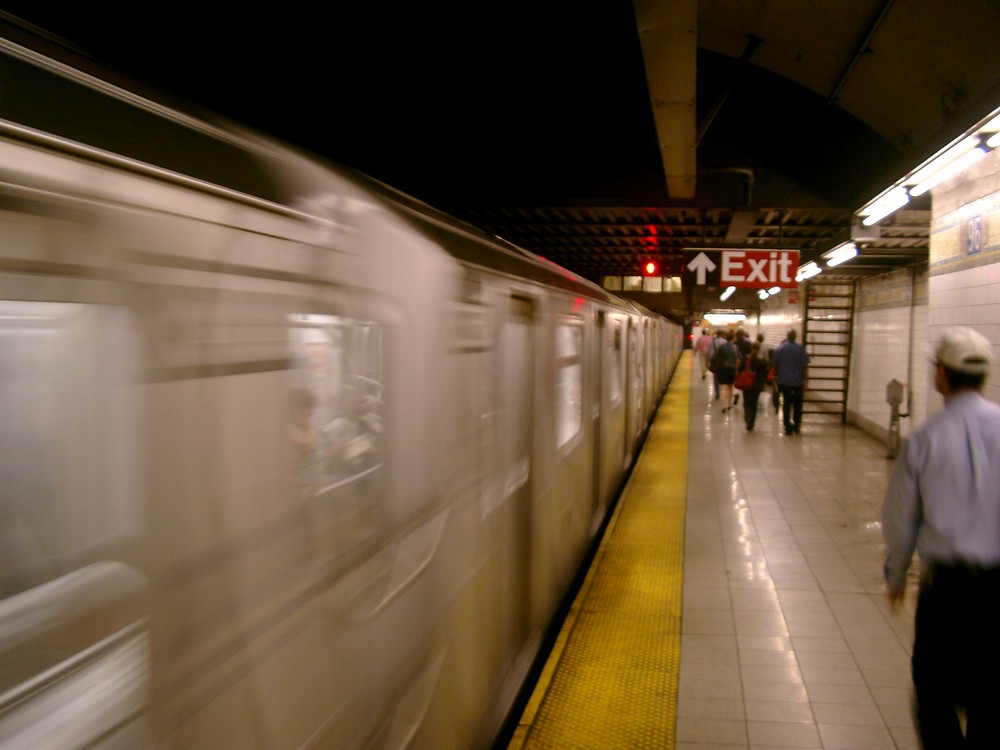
{"type": "Point", "coordinates": [969, 297]}
{"type": "Point", "coordinates": [900, 316]}
{"type": "Point", "coordinates": [964, 284]}
{"type": "Point", "coordinates": [890, 335]}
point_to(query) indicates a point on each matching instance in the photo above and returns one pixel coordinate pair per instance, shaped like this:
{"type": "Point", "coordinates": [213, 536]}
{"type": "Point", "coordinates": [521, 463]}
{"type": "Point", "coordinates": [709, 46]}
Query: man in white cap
{"type": "Point", "coordinates": [944, 502]}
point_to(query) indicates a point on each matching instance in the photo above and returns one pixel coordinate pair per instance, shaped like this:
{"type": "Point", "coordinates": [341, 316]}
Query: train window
{"type": "Point", "coordinates": [652, 284]}
{"type": "Point", "coordinates": [70, 485]}
{"type": "Point", "coordinates": [569, 380]}
{"type": "Point", "coordinates": [614, 362]}
{"type": "Point", "coordinates": [632, 283]}
{"type": "Point", "coordinates": [336, 423]}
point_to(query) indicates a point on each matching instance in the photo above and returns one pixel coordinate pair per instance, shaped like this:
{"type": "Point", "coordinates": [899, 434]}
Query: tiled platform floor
{"type": "Point", "coordinates": [787, 639]}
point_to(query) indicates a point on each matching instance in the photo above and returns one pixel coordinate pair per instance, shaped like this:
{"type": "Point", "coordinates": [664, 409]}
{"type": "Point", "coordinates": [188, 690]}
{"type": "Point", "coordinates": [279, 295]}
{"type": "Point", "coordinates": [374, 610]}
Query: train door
{"type": "Point", "coordinates": [631, 390]}
{"type": "Point", "coordinates": [612, 415]}
{"type": "Point", "coordinates": [638, 409]}
{"type": "Point", "coordinates": [517, 367]}
{"type": "Point", "coordinates": [597, 391]}
{"type": "Point", "coordinates": [650, 357]}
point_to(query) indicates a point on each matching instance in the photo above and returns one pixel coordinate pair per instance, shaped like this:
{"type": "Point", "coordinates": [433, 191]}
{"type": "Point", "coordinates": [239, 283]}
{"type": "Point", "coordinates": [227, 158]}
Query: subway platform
{"type": "Point", "coordinates": [736, 599]}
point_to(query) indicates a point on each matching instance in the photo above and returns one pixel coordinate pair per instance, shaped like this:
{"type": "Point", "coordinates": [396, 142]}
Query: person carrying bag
{"type": "Point", "coordinates": [751, 381]}
{"type": "Point", "coordinates": [746, 379]}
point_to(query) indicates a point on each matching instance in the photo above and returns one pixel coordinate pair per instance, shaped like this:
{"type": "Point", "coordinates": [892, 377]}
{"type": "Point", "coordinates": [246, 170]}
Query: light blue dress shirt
{"type": "Point", "coordinates": [943, 498]}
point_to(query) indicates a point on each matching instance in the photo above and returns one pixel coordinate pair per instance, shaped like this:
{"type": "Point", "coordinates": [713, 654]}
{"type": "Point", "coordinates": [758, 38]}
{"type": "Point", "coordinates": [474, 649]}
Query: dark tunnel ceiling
{"type": "Point", "coordinates": [534, 120]}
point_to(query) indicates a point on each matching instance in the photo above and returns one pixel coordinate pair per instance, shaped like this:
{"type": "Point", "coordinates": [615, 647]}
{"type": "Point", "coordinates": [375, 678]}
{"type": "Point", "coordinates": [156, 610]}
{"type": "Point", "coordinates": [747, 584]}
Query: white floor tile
{"type": "Point", "coordinates": [783, 585]}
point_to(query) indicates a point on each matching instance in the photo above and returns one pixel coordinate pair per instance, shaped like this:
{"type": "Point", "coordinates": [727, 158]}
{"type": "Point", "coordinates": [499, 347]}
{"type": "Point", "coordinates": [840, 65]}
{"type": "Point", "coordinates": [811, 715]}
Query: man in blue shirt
{"type": "Point", "coordinates": [791, 362]}
{"type": "Point", "coordinates": [944, 502]}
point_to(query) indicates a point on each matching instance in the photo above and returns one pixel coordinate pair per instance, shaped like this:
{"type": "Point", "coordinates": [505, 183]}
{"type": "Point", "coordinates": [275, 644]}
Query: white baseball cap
{"type": "Point", "coordinates": [965, 350]}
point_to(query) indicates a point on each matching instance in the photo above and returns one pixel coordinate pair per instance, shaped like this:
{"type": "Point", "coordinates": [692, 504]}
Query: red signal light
{"type": "Point", "coordinates": [649, 268]}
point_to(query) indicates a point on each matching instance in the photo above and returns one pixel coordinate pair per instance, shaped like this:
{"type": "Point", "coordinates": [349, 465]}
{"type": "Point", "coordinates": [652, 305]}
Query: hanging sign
{"type": "Point", "coordinates": [746, 269]}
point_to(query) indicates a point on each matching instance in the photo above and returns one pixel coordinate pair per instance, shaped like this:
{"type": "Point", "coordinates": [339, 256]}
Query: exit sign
{"type": "Point", "coordinates": [748, 269]}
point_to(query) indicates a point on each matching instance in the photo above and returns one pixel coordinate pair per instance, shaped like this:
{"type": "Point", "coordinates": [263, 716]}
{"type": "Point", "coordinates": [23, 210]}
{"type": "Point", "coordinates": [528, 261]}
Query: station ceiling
{"type": "Point", "coordinates": [597, 134]}
{"type": "Point", "coordinates": [776, 122]}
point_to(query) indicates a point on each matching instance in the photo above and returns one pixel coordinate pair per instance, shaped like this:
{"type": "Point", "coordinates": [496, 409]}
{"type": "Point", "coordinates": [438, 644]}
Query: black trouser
{"type": "Point", "coordinates": [751, 396]}
{"type": "Point", "coordinates": [956, 658]}
{"type": "Point", "coordinates": [791, 406]}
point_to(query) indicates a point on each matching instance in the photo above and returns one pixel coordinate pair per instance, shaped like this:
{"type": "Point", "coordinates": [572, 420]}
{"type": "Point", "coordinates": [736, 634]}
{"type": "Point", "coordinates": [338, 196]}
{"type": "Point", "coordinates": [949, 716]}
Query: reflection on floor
{"type": "Point", "coordinates": [787, 640]}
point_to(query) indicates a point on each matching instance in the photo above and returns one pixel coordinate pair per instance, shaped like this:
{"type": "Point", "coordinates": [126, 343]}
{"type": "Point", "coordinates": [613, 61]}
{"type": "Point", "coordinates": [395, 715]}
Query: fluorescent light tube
{"type": "Point", "coordinates": [963, 162]}
{"type": "Point", "coordinates": [842, 253]}
{"type": "Point", "coordinates": [807, 271]}
{"type": "Point", "coordinates": [894, 199]}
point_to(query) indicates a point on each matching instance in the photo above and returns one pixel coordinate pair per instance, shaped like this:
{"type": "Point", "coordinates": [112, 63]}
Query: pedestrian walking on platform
{"type": "Point", "coordinates": [725, 361]}
{"type": "Point", "coordinates": [703, 346]}
{"type": "Point", "coordinates": [767, 352]}
{"type": "Point", "coordinates": [718, 340]}
{"type": "Point", "coordinates": [943, 501]}
{"type": "Point", "coordinates": [791, 361]}
{"type": "Point", "coordinates": [751, 396]}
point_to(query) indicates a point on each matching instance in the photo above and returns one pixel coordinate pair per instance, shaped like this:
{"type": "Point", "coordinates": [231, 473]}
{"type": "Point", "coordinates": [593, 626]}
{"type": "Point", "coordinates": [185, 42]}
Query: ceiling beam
{"type": "Point", "coordinates": [752, 43]}
{"type": "Point", "coordinates": [668, 34]}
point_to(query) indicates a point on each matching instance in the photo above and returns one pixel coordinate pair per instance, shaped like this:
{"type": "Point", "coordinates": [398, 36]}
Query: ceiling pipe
{"type": "Point", "coordinates": [861, 51]}
{"type": "Point", "coordinates": [752, 44]}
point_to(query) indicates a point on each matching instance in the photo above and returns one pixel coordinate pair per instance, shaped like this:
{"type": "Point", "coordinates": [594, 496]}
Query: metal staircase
{"type": "Point", "coordinates": [827, 332]}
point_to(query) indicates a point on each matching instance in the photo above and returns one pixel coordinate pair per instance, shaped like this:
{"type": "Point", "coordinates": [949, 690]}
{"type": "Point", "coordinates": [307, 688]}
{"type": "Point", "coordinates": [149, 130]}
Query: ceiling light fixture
{"type": "Point", "coordinates": [841, 253]}
{"type": "Point", "coordinates": [964, 161]}
{"type": "Point", "coordinates": [948, 163]}
{"type": "Point", "coordinates": [727, 294]}
{"type": "Point", "coordinates": [885, 205]}
{"type": "Point", "coordinates": [807, 271]}
{"type": "Point", "coordinates": [940, 162]}
{"type": "Point", "coordinates": [721, 319]}
{"type": "Point", "coordinates": [992, 126]}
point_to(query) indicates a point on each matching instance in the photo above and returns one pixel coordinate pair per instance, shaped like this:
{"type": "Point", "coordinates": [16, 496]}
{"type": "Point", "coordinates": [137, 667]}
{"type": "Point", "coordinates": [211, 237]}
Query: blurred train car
{"type": "Point", "coordinates": [287, 459]}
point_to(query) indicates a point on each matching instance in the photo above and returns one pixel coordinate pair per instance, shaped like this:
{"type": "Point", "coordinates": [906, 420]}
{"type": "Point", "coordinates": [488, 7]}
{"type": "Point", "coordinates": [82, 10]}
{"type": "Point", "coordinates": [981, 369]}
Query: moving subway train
{"type": "Point", "coordinates": [287, 459]}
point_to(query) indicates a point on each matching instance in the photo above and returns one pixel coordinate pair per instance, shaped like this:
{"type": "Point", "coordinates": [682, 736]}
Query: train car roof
{"type": "Point", "coordinates": [43, 82]}
{"type": "Point", "coordinates": [472, 245]}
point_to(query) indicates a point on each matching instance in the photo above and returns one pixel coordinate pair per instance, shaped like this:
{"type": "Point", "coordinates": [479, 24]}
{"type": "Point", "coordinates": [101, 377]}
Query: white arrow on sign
{"type": "Point", "coordinates": [702, 265]}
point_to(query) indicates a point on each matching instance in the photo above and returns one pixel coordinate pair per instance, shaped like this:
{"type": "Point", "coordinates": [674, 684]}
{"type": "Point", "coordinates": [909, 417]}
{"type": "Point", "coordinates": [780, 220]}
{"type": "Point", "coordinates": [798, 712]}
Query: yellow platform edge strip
{"type": "Point", "coordinates": [668, 435]}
